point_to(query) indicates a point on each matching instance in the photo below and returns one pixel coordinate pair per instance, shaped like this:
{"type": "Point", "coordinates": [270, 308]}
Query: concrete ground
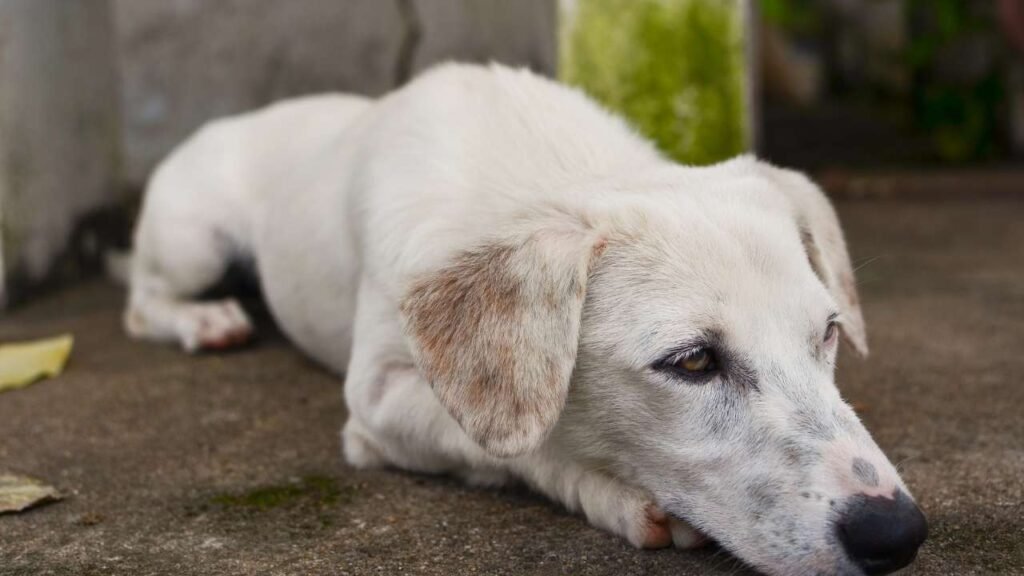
{"type": "Point", "coordinates": [229, 464]}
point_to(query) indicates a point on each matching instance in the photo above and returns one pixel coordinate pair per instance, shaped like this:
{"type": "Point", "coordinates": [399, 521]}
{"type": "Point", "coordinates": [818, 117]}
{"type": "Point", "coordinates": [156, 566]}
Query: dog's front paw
{"type": "Point", "coordinates": [626, 511]}
{"type": "Point", "coordinates": [359, 450]}
{"type": "Point", "coordinates": [632, 514]}
{"type": "Point", "coordinates": [660, 530]}
{"type": "Point", "coordinates": [654, 529]}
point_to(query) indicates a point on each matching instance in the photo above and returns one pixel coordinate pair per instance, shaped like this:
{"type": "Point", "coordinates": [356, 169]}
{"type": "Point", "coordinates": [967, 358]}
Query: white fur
{"type": "Point", "coordinates": [344, 206]}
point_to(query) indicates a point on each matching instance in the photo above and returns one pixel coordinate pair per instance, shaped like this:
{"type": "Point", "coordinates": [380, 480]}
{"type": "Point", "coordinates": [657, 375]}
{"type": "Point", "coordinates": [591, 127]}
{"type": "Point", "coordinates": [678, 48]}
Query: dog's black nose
{"type": "Point", "coordinates": [882, 535]}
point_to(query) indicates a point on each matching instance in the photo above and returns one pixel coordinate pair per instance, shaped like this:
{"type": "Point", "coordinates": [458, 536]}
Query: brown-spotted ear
{"type": "Point", "coordinates": [496, 332]}
{"type": "Point", "coordinates": [823, 240]}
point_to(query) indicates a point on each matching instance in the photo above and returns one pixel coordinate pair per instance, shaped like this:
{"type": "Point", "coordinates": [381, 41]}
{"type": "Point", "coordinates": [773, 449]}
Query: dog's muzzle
{"type": "Point", "coordinates": [881, 534]}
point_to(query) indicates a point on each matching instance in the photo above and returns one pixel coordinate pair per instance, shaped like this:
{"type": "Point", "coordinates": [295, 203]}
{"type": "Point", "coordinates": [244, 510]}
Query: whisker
{"type": "Point", "coordinates": [867, 262]}
{"type": "Point", "coordinates": [899, 465]}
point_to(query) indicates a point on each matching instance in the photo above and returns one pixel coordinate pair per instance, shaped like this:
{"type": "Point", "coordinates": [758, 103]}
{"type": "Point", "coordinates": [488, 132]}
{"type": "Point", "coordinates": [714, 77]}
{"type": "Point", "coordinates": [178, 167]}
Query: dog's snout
{"type": "Point", "coordinates": [880, 534]}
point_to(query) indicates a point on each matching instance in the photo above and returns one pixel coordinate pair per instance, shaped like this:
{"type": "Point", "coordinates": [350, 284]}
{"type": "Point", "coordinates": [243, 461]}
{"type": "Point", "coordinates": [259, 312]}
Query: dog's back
{"type": "Point", "coordinates": [309, 188]}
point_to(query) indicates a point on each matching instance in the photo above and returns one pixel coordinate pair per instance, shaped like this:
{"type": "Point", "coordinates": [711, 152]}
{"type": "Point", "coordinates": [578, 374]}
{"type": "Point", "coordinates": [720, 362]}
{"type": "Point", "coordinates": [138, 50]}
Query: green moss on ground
{"type": "Point", "coordinates": [674, 68]}
{"type": "Point", "coordinates": [318, 490]}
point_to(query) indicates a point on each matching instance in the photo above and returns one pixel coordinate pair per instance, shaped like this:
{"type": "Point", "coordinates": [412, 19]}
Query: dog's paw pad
{"type": "Point", "coordinates": [657, 529]}
{"type": "Point", "coordinates": [213, 326]}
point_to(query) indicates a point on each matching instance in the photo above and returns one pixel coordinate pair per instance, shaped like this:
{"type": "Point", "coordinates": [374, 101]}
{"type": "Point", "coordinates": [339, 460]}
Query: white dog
{"type": "Point", "coordinates": [517, 286]}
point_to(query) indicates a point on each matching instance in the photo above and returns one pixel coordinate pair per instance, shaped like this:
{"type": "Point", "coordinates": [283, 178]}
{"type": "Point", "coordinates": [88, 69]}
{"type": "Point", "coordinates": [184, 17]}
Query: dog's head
{"type": "Point", "coordinates": [685, 340]}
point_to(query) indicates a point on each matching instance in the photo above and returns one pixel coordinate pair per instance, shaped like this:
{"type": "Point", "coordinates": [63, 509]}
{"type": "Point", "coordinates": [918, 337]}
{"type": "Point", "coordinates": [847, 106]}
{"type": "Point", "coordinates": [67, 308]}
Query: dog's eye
{"type": "Point", "coordinates": [831, 331]}
{"type": "Point", "coordinates": [694, 364]}
{"type": "Point", "coordinates": [697, 361]}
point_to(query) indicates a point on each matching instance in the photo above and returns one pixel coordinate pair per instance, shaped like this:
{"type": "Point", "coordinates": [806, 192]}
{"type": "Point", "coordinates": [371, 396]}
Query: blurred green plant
{"type": "Point", "coordinates": [674, 68]}
{"type": "Point", "coordinates": [801, 17]}
{"type": "Point", "coordinates": [961, 111]}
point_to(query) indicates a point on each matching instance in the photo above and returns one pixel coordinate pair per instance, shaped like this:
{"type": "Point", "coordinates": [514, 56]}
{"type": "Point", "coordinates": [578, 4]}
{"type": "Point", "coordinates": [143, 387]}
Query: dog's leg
{"type": "Point", "coordinates": [394, 417]}
{"type": "Point", "coordinates": [181, 249]}
{"type": "Point", "coordinates": [396, 420]}
{"type": "Point", "coordinates": [607, 502]}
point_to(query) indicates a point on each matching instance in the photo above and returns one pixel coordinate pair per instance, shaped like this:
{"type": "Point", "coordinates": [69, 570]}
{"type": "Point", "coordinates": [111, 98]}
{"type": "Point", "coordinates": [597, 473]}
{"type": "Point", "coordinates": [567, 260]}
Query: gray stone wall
{"type": "Point", "coordinates": [94, 93]}
{"type": "Point", "coordinates": [59, 135]}
{"type": "Point", "coordinates": [184, 62]}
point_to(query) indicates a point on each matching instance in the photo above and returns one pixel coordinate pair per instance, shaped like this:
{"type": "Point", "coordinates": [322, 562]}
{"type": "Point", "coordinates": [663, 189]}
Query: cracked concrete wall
{"type": "Point", "coordinates": [59, 135]}
{"type": "Point", "coordinates": [184, 62]}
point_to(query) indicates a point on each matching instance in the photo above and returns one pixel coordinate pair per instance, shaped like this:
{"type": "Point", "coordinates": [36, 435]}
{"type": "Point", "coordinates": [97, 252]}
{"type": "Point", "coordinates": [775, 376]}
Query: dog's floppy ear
{"type": "Point", "coordinates": [495, 331]}
{"type": "Point", "coordinates": [826, 249]}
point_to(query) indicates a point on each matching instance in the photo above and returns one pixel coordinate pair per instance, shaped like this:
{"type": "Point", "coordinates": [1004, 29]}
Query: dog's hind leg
{"type": "Point", "coordinates": [183, 246]}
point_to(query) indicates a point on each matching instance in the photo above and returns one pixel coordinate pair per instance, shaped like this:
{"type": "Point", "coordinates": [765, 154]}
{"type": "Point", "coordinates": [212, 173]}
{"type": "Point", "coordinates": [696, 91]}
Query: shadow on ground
{"type": "Point", "coordinates": [229, 464]}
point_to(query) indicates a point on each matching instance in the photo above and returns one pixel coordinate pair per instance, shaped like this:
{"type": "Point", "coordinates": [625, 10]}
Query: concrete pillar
{"type": "Point", "coordinates": [59, 136]}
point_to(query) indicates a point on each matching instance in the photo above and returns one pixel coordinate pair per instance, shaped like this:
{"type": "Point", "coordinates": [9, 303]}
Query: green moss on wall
{"type": "Point", "coordinates": [674, 68]}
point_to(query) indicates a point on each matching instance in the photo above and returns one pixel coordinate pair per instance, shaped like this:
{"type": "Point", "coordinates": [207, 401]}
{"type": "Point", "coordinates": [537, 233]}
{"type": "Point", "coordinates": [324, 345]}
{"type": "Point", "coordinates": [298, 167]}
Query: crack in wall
{"type": "Point", "coordinates": [412, 33]}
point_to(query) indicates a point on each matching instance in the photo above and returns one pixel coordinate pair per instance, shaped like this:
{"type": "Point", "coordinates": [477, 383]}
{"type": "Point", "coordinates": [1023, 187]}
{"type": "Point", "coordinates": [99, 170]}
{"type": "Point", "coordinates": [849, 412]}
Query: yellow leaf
{"type": "Point", "coordinates": [18, 493]}
{"type": "Point", "coordinates": [23, 363]}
